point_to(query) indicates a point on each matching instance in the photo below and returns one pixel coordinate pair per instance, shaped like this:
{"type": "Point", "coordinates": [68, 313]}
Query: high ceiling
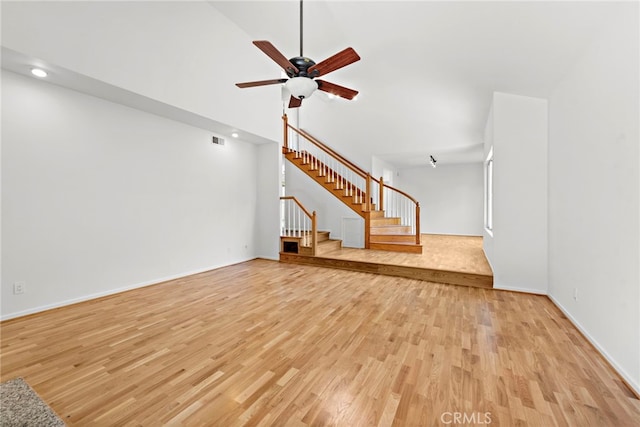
{"type": "Point", "coordinates": [428, 69]}
{"type": "Point", "coordinates": [426, 76]}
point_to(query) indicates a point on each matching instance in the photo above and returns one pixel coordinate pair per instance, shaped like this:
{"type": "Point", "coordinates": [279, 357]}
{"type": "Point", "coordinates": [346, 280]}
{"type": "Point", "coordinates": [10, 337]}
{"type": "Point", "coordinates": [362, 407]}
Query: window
{"type": "Point", "coordinates": [488, 193]}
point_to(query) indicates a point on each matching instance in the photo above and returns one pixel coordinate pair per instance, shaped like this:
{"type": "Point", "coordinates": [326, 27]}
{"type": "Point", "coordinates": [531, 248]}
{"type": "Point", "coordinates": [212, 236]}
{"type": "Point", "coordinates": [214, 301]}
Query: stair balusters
{"type": "Point", "coordinates": [354, 183]}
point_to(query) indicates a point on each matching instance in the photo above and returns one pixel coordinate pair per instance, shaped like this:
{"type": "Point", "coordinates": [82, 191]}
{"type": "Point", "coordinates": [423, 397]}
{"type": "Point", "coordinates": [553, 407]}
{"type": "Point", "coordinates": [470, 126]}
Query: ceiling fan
{"type": "Point", "coordinates": [302, 72]}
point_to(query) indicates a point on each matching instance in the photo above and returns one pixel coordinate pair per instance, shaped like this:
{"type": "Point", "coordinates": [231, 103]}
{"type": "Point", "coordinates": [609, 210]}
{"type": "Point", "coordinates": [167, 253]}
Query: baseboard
{"type": "Point", "coordinates": [630, 382]}
{"type": "Point", "coordinates": [89, 297]}
{"type": "Point", "coordinates": [268, 258]}
{"type": "Point", "coordinates": [522, 290]}
{"type": "Point", "coordinates": [452, 234]}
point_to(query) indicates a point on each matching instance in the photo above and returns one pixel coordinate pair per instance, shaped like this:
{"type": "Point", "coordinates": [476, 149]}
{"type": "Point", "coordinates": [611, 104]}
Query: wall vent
{"type": "Point", "coordinates": [217, 140]}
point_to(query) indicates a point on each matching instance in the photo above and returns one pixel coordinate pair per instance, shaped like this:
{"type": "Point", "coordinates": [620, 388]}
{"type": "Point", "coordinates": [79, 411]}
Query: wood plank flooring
{"type": "Point", "coordinates": [272, 344]}
{"type": "Point", "coordinates": [456, 260]}
{"type": "Point", "coordinates": [440, 252]}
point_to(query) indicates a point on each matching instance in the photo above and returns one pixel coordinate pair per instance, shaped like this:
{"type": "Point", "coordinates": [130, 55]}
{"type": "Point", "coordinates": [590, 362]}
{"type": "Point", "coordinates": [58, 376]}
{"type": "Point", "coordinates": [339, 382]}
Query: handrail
{"type": "Point", "coordinates": [322, 146]}
{"type": "Point", "coordinates": [401, 192]}
{"type": "Point", "coordinates": [304, 230]}
{"type": "Point", "coordinates": [297, 203]}
{"type": "Point", "coordinates": [329, 150]}
{"type": "Point", "coordinates": [358, 169]}
{"type": "Point", "coordinates": [354, 180]}
{"type": "Point", "coordinates": [417, 203]}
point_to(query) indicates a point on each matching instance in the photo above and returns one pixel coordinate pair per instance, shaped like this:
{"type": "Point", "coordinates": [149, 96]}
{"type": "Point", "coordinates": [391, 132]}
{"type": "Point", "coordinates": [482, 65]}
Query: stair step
{"type": "Point", "coordinates": [328, 246]}
{"type": "Point", "coordinates": [397, 247]}
{"type": "Point", "coordinates": [304, 237]}
{"type": "Point", "coordinates": [385, 233]}
{"type": "Point", "coordinates": [323, 247]}
{"type": "Point", "coordinates": [323, 235]}
{"type": "Point", "coordinates": [386, 221]}
{"type": "Point", "coordinates": [392, 238]}
{"type": "Point", "coordinates": [346, 192]}
{"type": "Point", "coordinates": [352, 195]}
{"type": "Point", "coordinates": [391, 229]}
{"type": "Point", "coordinates": [362, 206]}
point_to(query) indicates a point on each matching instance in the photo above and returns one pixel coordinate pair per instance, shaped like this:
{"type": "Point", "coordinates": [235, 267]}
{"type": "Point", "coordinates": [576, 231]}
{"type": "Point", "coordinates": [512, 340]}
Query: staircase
{"type": "Point", "coordinates": [392, 217]}
{"type": "Point", "coordinates": [299, 231]}
{"type": "Point", "coordinates": [388, 234]}
{"type": "Point", "coordinates": [302, 245]}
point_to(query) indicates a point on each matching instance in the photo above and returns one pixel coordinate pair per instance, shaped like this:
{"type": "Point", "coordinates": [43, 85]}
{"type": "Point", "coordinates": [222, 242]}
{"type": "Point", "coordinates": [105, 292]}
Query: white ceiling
{"type": "Point", "coordinates": [428, 69]}
{"type": "Point", "coordinates": [21, 64]}
{"type": "Point", "coordinates": [426, 77]}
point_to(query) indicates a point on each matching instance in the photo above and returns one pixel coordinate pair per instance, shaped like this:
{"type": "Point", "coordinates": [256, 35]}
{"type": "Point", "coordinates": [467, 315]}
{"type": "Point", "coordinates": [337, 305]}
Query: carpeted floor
{"type": "Point", "coordinates": [21, 406]}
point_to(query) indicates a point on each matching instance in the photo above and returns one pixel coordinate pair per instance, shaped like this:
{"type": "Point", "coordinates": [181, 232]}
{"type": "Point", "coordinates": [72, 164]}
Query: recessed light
{"type": "Point", "coordinates": [235, 134]}
{"type": "Point", "coordinates": [38, 72]}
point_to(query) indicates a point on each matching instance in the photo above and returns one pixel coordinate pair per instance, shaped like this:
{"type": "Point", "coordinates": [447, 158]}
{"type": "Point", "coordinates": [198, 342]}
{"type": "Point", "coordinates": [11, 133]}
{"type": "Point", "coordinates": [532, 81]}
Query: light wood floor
{"type": "Point", "coordinates": [440, 252]}
{"type": "Point", "coordinates": [448, 259]}
{"type": "Point", "coordinates": [266, 343]}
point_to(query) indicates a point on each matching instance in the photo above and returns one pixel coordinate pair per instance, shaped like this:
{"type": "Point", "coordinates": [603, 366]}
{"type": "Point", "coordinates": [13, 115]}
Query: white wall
{"type": "Point", "coordinates": [267, 215]}
{"type": "Point", "coordinates": [379, 167]}
{"type": "Point", "coordinates": [450, 196]}
{"type": "Point", "coordinates": [517, 249]}
{"type": "Point", "coordinates": [594, 214]}
{"type": "Point", "coordinates": [98, 197]}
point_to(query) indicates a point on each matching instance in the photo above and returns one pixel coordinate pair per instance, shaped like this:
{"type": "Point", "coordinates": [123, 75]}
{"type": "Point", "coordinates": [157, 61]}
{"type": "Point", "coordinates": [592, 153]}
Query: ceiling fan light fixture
{"type": "Point", "coordinates": [301, 87]}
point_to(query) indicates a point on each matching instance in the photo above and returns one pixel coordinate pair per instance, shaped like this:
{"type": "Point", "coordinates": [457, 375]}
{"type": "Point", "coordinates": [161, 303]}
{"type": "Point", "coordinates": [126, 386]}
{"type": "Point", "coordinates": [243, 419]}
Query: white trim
{"type": "Point", "coordinates": [113, 291]}
{"type": "Point", "coordinates": [616, 367]}
{"type": "Point", "coordinates": [488, 192]}
{"type": "Point", "coordinates": [512, 289]}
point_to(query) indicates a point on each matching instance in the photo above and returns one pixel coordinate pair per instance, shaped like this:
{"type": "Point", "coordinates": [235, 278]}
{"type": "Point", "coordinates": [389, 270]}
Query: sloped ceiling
{"type": "Point", "coordinates": [428, 69]}
{"type": "Point", "coordinates": [427, 72]}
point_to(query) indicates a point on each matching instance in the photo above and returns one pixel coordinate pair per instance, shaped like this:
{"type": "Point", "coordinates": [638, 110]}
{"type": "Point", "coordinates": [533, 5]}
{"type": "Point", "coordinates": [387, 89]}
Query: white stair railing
{"type": "Point", "coordinates": [345, 176]}
{"type": "Point", "coordinates": [296, 221]}
{"type": "Point", "coordinates": [396, 203]}
{"type": "Point", "coordinates": [352, 180]}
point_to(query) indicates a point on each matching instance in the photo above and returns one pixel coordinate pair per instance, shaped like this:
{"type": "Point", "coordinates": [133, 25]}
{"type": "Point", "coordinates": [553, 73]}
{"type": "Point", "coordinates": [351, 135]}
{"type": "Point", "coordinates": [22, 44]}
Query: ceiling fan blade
{"type": "Point", "coordinates": [341, 91]}
{"type": "Point", "coordinates": [273, 53]}
{"type": "Point", "coordinates": [339, 60]}
{"type": "Point", "coordinates": [294, 102]}
{"type": "Point", "coordinates": [261, 83]}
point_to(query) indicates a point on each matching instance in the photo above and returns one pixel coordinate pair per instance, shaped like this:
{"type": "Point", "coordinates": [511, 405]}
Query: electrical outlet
{"type": "Point", "coordinates": [575, 294]}
{"type": "Point", "coordinates": [18, 288]}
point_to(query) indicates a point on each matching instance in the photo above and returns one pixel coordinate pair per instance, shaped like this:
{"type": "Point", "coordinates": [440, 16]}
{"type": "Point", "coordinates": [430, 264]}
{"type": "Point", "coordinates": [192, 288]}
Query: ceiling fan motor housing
{"type": "Point", "coordinates": [302, 63]}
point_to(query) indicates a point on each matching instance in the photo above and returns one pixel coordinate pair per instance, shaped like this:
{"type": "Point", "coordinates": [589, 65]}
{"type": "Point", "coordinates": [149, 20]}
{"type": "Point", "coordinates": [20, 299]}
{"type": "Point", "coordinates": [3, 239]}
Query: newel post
{"type": "Point", "coordinates": [314, 233]}
{"type": "Point", "coordinates": [368, 193]}
{"type": "Point", "coordinates": [286, 133]}
{"type": "Point", "coordinates": [417, 223]}
{"type": "Point", "coordinates": [381, 207]}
